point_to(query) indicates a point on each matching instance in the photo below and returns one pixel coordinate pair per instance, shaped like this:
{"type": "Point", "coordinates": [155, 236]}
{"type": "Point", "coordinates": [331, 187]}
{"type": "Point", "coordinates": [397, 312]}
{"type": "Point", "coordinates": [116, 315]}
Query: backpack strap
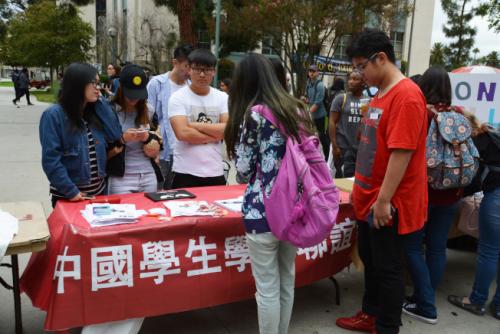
{"type": "Point", "coordinates": [267, 114]}
{"type": "Point", "coordinates": [343, 102]}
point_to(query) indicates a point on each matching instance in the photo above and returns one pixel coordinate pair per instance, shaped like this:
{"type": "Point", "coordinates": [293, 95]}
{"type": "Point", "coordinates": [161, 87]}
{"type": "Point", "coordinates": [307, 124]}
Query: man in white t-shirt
{"type": "Point", "coordinates": [160, 89]}
{"type": "Point", "coordinates": [198, 114]}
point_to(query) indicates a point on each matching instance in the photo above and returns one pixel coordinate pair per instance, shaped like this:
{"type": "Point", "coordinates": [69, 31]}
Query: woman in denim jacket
{"type": "Point", "coordinates": [74, 134]}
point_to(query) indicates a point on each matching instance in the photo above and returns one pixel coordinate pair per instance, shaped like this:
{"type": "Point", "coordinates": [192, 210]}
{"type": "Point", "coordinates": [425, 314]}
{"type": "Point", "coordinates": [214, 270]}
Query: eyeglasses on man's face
{"type": "Point", "coordinates": [205, 70]}
{"type": "Point", "coordinates": [361, 67]}
{"type": "Point", "coordinates": [95, 84]}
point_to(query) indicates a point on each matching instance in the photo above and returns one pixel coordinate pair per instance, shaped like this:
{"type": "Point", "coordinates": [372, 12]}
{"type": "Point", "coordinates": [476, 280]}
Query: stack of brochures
{"type": "Point", "coordinates": [232, 204]}
{"type": "Point", "coordinates": [110, 214]}
{"type": "Point", "coordinates": [191, 208]}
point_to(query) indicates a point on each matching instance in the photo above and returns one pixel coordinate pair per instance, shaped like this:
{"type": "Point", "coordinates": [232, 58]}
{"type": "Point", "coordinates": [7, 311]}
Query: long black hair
{"type": "Point", "coordinates": [72, 95]}
{"type": "Point", "coordinates": [436, 86]}
{"type": "Point", "coordinates": [280, 71]}
{"type": "Point", "coordinates": [255, 82]}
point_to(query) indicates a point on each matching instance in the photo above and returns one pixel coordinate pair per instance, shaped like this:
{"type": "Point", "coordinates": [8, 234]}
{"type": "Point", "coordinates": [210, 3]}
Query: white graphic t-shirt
{"type": "Point", "coordinates": [203, 160]}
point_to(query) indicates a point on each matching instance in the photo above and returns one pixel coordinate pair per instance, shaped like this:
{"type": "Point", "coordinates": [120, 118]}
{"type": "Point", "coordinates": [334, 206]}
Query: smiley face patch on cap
{"type": "Point", "coordinates": [137, 80]}
{"type": "Point", "coordinates": [133, 81]}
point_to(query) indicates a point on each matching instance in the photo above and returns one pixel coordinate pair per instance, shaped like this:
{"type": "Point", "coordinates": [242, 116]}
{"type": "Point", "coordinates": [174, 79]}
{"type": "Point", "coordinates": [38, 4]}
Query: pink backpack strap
{"type": "Point", "coordinates": [265, 112]}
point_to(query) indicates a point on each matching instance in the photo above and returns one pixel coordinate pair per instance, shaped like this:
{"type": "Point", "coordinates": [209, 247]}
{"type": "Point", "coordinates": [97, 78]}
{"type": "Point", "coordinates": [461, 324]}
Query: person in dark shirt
{"type": "Point", "coordinates": [487, 142]}
{"type": "Point", "coordinates": [427, 271]}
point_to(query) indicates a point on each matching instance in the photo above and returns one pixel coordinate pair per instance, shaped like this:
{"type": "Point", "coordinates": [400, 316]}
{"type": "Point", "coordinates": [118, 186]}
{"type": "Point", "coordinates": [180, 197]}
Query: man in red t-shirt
{"type": "Point", "coordinates": [390, 186]}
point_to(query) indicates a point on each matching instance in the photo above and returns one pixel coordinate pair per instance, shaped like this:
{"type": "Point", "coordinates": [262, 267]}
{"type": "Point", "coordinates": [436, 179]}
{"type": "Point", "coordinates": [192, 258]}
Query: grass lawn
{"type": "Point", "coordinates": [44, 95]}
{"type": "Point", "coordinates": [6, 84]}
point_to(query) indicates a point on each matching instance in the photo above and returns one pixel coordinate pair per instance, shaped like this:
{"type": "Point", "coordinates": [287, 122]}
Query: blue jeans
{"type": "Point", "coordinates": [427, 273]}
{"type": "Point", "coordinates": [489, 249]}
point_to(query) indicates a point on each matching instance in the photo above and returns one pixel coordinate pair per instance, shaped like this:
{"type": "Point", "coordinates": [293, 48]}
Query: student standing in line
{"type": "Point", "coordinates": [390, 187]}
{"type": "Point", "coordinates": [345, 119]}
{"type": "Point", "coordinates": [74, 134]}
{"type": "Point", "coordinates": [141, 145]}
{"type": "Point", "coordinates": [160, 89]}
{"type": "Point", "coordinates": [487, 141]}
{"type": "Point", "coordinates": [198, 114]}
{"type": "Point", "coordinates": [253, 141]}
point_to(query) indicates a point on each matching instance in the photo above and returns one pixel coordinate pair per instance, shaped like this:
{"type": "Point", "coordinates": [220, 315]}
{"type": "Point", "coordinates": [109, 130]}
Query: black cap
{"type": "Point", "coordinates": [133, 81]}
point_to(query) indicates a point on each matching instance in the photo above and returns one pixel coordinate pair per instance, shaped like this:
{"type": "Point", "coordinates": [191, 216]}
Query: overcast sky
{"type": "Point", "coordinates": [486, 40]}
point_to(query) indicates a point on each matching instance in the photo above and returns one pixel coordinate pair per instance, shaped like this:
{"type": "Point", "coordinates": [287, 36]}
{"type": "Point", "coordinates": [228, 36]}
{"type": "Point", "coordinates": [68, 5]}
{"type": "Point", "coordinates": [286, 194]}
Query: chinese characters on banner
{"type": "Point", "coordinates": [113, 266]}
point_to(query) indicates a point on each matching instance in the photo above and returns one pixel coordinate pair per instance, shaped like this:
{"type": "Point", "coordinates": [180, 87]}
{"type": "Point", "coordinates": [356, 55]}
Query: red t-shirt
{"type": "Point", "coordinates": [397, 120]}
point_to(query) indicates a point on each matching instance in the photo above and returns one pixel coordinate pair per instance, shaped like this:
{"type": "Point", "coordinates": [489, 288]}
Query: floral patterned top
{"type": "Point", "coordinates": [258, 158]}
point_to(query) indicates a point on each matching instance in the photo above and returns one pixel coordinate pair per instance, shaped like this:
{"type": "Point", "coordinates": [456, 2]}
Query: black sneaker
{"type": "Point", "coordinates": [415, 313]}
{"type": "Point", "coordinates": [410, 301]}
{"type": "Point", "coordinates": [14, 101]}
{"type": "Point", "coordinates": [473, 308]}
{"type": "Point", "coordinates": [495, 311]}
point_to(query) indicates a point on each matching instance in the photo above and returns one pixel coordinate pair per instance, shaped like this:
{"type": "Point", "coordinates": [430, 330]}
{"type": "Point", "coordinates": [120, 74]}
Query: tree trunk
{"type": "Point", "coordinates": [185, 15]}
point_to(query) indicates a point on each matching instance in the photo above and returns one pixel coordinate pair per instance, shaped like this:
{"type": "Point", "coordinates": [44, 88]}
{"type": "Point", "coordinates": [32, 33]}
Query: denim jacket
{"type": "Point", "coordinates": [65, 151]}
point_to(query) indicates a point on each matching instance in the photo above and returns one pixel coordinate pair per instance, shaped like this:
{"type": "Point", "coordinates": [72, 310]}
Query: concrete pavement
{"type": "Point", "coordinates": [21, 178]}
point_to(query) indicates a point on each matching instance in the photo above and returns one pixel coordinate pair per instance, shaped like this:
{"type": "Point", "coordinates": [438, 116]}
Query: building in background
{"type": "Point", "coordinates": [139, 32]}
{"type": "Point", "coordinates": [132, 31]}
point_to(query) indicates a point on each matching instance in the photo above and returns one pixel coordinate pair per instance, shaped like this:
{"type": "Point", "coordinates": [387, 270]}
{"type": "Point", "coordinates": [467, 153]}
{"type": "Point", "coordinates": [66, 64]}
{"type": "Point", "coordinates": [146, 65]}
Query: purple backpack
{"type": "Point", "coordinates": [303, 205]}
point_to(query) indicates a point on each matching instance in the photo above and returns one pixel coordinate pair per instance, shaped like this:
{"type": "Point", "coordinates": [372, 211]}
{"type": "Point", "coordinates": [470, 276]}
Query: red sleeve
{"type": "Point", "coordinates": [405, 125]}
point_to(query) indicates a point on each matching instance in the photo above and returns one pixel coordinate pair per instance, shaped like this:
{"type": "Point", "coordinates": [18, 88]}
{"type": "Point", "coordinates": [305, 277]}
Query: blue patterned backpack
{"type": "Point", "coordinates": [452, 158]}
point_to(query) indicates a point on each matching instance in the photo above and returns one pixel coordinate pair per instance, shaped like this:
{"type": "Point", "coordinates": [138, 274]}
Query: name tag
{"type": "Point", "coordinates": [374, 116]}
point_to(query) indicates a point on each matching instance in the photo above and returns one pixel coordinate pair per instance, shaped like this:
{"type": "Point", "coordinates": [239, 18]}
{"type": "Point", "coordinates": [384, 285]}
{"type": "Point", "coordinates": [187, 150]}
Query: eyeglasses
{"type": "Point", "coordinates": [95, 84]}
{"type": "Point", "coordinates": [361, 67]}
{"type": "Point", "coordinates": [205, 70]}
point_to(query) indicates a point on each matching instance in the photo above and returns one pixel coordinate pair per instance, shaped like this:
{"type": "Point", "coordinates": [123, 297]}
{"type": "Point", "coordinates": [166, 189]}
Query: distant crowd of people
{"type": "Point", "coordinates": [137, 134]}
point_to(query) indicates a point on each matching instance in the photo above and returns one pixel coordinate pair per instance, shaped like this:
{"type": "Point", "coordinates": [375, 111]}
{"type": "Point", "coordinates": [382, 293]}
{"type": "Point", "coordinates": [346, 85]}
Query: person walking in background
{"type": "Point", "coordinates": [74, 134]}
{"type": "Point", "coordinates": [345, 118]}
{"type": "Point", "coordinates": [23, 87]}
{"type": "Point", "coordinates": [487, 141]}
{"type": "Point", "coordinates": [160, 89]}
{"type": "Point", "coordinates": [141, 145]}
{"type": "Point", "coordinates": [390, 187]}
{"type": "Point", "coordinates": [14, 76]}
{"type": "Point", "coordinates": [427, 272]}
{"type": "Point", "coordinates": [253, 141]}
{"type": "Point", "coordinates": [198, 114]}
{"type": "Point", "coordinates": [113, 72]}
{"type": "Point", "coordinates": [315, 90]}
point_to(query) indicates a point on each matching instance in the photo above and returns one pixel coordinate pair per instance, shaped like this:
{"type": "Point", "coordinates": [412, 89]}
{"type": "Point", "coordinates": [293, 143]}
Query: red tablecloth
{"type": "Point", "coordinates": [93, 275]}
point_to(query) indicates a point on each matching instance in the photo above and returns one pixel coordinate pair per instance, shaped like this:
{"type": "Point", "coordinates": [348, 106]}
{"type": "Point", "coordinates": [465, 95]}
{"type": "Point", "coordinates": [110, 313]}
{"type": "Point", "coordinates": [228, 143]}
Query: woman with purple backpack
{"type": "Point", "coordinates": [258, 148]}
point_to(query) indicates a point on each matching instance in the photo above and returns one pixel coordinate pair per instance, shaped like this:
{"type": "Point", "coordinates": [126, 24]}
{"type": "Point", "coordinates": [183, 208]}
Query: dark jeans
{"type": "Point", "coordinates": [427, 273]}
{"type": "Point", "coordinates": [381, 251]}
{"type": "Point", "coordinates": [188, 181]}
{"type": "Point", "coordinates": [488, 257]}
{"type": "Point", "coordinates": [166, 170]}
{"type": "Point", "coordinates": [323, 135]}
{"type": "Point", "coordinates": [347, 164]}
{"type": "Point", "coordinates": [21, 92]}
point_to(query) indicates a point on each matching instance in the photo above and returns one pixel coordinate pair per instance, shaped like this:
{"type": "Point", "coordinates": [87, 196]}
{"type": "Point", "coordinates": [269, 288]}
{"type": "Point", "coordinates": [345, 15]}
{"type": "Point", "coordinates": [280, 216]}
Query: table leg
{"type": "Point", "coordinates": [17, 294]}
{"type": "Point", "coordinates": [337, 290]}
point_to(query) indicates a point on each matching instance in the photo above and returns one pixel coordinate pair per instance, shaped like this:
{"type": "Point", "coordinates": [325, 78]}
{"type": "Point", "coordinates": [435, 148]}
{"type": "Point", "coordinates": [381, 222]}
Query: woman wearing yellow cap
{"type": "Point", "coordinates": [132, 166]}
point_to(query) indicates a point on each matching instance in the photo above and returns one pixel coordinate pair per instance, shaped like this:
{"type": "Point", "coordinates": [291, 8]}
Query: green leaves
{"type": "Point", "coordinates": [47, 35]}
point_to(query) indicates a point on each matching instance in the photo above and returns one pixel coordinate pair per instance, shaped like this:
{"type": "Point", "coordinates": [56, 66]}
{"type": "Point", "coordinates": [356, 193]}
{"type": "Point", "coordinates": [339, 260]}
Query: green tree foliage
{"type": "Point", "coordinates": [47, 35]}
{"type": "Point", "coordinates": [438, 55]}
{"type": "Point", "coordinates": [491, 59]}
{"type": "Point", "coordinates": [8, 8]}
{"type": "Point", "coordinates": [300, 30]}
{"type": "Point", "coordinates": [491, 9]}
{"type": "Point", "coordinates": [459, 30]}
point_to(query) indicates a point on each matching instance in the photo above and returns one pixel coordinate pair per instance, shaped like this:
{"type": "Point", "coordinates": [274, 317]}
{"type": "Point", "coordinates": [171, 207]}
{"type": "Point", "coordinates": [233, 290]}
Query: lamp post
{"type": "Point", "coordinates": [217, 39]}
{"type": "Point", "coordinates": [112, 33]}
